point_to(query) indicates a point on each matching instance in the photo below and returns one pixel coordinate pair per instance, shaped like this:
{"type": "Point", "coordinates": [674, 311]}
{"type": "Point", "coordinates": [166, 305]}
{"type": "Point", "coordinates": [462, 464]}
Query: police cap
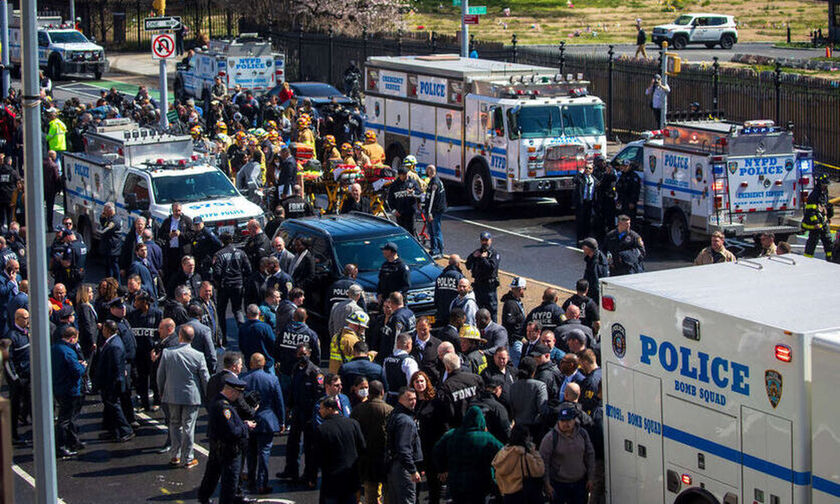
{"type": "Point", "coordinates": [234, 383]}
{"type": "Point", "coordinates": [539, 350]}
{"type": "Point", "coordinates": [391, 246]}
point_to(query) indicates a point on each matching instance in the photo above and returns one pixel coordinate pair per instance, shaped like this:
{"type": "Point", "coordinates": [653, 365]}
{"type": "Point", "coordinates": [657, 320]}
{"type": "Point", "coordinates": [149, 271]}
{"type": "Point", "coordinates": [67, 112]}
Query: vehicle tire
{"type": "Point", "coordinates": [564, 200]}
{"type": "Point", "coordinates": [711, 45]}
{"type": "Point", "coordinates": [479, 186]}
{"type": "Point", "coordinates": [680, 41]}
{"type": "Point", "coordinates": [677, 230]}
{"type": "Point", "coordinates": [696, 496]}
{"type": "Point", "coordinates": [55, 69]}
{"type": "Point", "coordinates": [394, 155]}
{"type": "Point", "coordinates": [86, 230]}
{"type": "Point", "coordinates": [727, 41]}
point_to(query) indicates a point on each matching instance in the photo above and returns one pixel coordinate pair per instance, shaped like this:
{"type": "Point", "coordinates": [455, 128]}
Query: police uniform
{"type": "Point", "coordinates": [296, 207]}
{"type": "Point", "coordinates": [485, 273]}
{"type": "Point", "coordinates": [627, 252]}
{"type": "Point", "coordinates": [446, 289]}
{"type": "Point", "coordinates": [402, 197]}
{"type": "Point", "coordinates": [394, 276]}
{"type": "Point", "coordinates": [145, 327]}
{"type": "Point", "coordinates": [307, 386]}
{"type": "Point", "coordinates": [226, 431]}
{"type": "Point", "coordinates": [627, 189]}
{"type": "Point", "coordinates": [205, 244]}
{"type": "Point", "coordinates": [338, 292]}
{"type": "Point", "coordinates": [604, 203]}
{"type": "Point", "coordinates": [815, 220]}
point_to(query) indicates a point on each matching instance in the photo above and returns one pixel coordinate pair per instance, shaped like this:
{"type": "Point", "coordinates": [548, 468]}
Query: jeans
{"type": "Point", "coordinates": [569, 493]}
{"type": "Point", "coordinates": [66, 431]}
{"type": "Point", "coordinates": [400, 488]}
{"type": "Point", "coordinates": [182, 419]}
{"type": "Point", "coordinates": [259, 450]}
{"type": "Point", "coordinates": [435, 234]}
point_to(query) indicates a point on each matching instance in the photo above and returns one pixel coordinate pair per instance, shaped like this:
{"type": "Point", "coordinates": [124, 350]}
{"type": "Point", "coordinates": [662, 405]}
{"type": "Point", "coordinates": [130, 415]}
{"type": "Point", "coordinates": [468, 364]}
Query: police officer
{"type": "Point", "coordinates": [402, 198]}
{"type": "Point", "coordinates": [71, 261]}
{"type": "Point", "coordinates": [126, 334]}
{"type": "Point", "coordinates": [145, 320]}
{"type": "Point", "coordinates": [627, 189]}
{"type": "Point", "coordinates": [307, 386]}
{"type": "Point", "coordinates": [483, 263]}
{"type": "Point", "coordinates": [17, 368]}
{"type": "Point", "coordinates": [226, 431]}
{"type": "Point", "coordinates": [205, 245]}
{"type": "Point", "coordinates": [394, 275]}
{"type": "Point", "coordinates": [446, 289]}
{"type": "Point", "coordinates": [818, 213]}
{"type": "Point", "coordinates": [548, 313]}
{"type": "Point", "coordinates": [230, 266]}
{"type": "Point", "coordinates": [625, 249]}
{"type": "Point", "coordinates": [338, 290]}
{"type": "Point", "coordinates": [604, 197]}
{"type": "Point", "coordinates": [295, 206]}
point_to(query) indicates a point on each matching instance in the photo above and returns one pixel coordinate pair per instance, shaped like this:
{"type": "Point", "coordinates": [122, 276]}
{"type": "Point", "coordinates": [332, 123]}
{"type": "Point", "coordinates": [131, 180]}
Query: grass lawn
{"type": "Point", "coordinates": [612, 21]}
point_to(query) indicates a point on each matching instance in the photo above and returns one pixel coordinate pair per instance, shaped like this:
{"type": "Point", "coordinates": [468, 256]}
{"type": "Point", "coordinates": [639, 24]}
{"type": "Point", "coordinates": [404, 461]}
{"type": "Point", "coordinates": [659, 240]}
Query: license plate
{"type": "Point", "coordinates": [227, 229]}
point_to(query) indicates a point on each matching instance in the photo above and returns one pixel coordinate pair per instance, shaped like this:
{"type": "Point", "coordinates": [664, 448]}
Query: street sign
{"type": "Point", "coordinates": [162, 23]}
{"type": "Point", "coordinates": [456, 3]}
{"type": "Point", "coordinates": [478, 9]}
{"type": "Point", "coordinates": [471, 19]}
{"type": "Point", "coordinates": [163, 46]}
{"type": "Point", "coordinates": [172, 116]}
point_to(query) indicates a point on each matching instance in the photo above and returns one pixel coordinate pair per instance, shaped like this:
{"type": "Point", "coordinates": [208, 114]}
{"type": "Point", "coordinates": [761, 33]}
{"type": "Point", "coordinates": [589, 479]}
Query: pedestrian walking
{"type": "Point", "coordinates": [584, 201]}
{"type": "Point", "coordinates": [111, 381]}
{"type": "Point", "coordinates": [569, 459]}
{"type": "Point", "coordinates": [270, 418]}
{"type": "Point", "coordinates": [817, 218]}
{"type": "Point", "coordinates": [340, 442]}
{"type": "Point", "coordinates": [625, 249]}
{"type": "Point", "coordinates": [519, 469]}
{"type": "Point", "coordinates": [372, 416]}
{"type": "Point", "coordinates": [435, 206]}
{"type": "Point", "coordinates": [403, 450]}
{"type": "Point", "coordinates": [641, 40]}
{"type": "Point", "coordinates": [68, 368]}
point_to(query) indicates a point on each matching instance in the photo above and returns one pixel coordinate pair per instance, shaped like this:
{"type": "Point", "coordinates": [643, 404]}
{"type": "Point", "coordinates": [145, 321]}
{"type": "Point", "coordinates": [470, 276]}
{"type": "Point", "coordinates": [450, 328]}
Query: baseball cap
{"type": "Point", "coordinates": [197, 220]}
{"type": "Point", "coordinates": [390, 246]}
{"type": "Point", "coordinates": [234, 382]}
{"type": "Point", "coordinates": [591, 243]}
{"type": "Point", "coordinates": [540, 350]}
{"type": "Point", "coordinates": [485, 235]}
{"type": "Point", "coordinates": [518, 282]}
{"type": "Point", "coordinates": [566, 414]}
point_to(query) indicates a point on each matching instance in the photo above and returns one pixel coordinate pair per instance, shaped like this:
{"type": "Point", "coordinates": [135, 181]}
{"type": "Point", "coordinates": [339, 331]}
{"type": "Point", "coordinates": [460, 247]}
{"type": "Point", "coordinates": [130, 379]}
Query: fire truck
{"type": "Point", "coordinates": [502, 130]}
{"type": "Point", "coordinates": [704, 176]}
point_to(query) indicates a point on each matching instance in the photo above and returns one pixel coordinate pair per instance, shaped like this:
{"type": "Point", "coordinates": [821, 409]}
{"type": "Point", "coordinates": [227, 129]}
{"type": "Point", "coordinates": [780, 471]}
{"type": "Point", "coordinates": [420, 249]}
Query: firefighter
{"type": "Point", "coordinates": [817, 217]}
{"type": "Point", "coordinates": [304, 133]}
{"type": "Point", "coordinates": [372, 149]}
{"type": "Point", "coordinates": [410, 164]}
{"type": "Point", "coordinates": [347, 154]}
{"type": "Point", "coordinates": [329, 152]}
{"type": "Point", "coordinates": [362, 159]}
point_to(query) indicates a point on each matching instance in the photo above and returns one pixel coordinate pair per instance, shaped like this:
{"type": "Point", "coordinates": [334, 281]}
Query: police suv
{"type": "Point", "coordinates": [143, 171]}
{"type": "Point", "coordinates": [247, 61]}
{"type": "Point", "coordinates": [704, 176]}
{"type": "Point", "coordinates": [61, 49]}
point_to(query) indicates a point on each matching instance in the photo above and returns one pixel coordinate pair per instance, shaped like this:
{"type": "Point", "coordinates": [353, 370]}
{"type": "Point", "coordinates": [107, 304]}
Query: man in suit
{"type": "Point", "coordinates": [174, 236]}
{"type": "Point", "coordinates": [203, 341]}
{"type": "Point", "coordinates": [182, 378]}
{"type": "Point", "coordinates": [110, 379]}
{"type": "Point", "coordinates": [176, 308]}
{"type": "Point", "coordinates": [68, 369]}
{"type": "Point", "coordinates": [270, 417]}
{"type": "Point", "coordinates": [361, 365]}
{"type": "Point", "coordinates": [132, 238]}
{"type": "Point", "coordinates": [286, 258]}
{"type": "Point", "coordinates": [185, 276]}
{"type": "Point", "coordinates": [142, 267]}
{"type": "Point", "coordinates": [255, 336]}
{"type": "Point", "coordinates": [209, 315]}
{"type": "Point", "coordinates": [425, 345]}
{"type": "Point", "coordinates": [303, 269]}
{"type": "Point", "coordinates": [584, 201]}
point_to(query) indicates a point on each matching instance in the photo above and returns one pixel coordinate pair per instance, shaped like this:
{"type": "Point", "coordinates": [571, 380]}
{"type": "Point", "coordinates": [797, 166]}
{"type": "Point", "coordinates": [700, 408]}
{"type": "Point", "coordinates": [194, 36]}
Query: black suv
{"type": "Point", "coordinates": [358, 238]}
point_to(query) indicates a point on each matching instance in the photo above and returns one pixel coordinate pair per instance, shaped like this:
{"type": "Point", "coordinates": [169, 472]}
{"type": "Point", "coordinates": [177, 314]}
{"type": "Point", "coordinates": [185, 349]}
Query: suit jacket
{"type": "Point", "coordinates": [127, 253]}
{"type": "Point", "coordinates": [304, 274]}
{"type": "Point", "coordinates": [110, 366]}
{"type": "Point", "coordinates": [147, 280]}
{"type": "Point", "coordinates": [287, 259]}
{"type": "Point", "coordinates": [180, 278]}
{"type": "Point", "coordinates": [272, 411]}
{"type": "Point", "coordinates": [429, 352]}
{"type": "Point", "coordinates": [203, 342]}
{"type": "Point", "coordinates": [182, 375]}
{"type": "Point", "coordinates": [184, 240]}
{"type": "Point", "coordinates": [210, 318]}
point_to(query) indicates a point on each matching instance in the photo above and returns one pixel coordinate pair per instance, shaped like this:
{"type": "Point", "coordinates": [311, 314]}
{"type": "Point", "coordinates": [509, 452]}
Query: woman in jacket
{"type": "Point", "coordinates": [86, 319]}
{"type": "Point", "coordinates": [519, 469]}
{"type": "Point", "coordinates": [429, 416]}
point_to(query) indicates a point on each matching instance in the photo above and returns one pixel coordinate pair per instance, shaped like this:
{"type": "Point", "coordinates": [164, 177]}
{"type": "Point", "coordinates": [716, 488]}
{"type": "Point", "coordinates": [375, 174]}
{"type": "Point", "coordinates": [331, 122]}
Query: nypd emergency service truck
{"type": "Point", "coordinates": [721, 384]}
{"type": "Point", "coordinates": [142, 171]}
{"type": "Point", "coordinates": [503, 130]}
{"type": "Point", "coordinates": [246, 61]}
{"type": "Point", "coordinates": [61, 48]}
{"type": "Point", "coordinates": [704, 176]}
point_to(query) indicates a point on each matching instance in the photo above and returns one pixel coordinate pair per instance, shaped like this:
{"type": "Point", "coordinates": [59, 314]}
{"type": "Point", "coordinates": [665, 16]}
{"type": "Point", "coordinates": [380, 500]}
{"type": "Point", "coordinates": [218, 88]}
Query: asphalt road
{"type": "Point", "coordinates": [694, 53]}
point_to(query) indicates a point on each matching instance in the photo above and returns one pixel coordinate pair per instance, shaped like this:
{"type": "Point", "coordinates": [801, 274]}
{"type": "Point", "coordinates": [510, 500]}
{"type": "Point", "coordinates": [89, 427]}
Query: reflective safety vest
{"type": "Point", "coordinates": [337, 357]}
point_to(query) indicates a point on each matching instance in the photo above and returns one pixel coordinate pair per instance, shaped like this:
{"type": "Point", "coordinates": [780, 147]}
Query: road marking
{"type": "Point", "coordinates": [29, 479]}
{"type": "Point", "coordinates": [197, 447]}
{"type": "Point", "coordinates": [513, 233]}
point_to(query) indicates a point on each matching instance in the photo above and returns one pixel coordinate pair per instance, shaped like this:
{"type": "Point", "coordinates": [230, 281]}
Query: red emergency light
{"type": "Point", "coordinates": [608, 303]}
{"type": "Point", "coordinates": [686, 479]}
{"type": "Point", "coordinates": [783, 353]}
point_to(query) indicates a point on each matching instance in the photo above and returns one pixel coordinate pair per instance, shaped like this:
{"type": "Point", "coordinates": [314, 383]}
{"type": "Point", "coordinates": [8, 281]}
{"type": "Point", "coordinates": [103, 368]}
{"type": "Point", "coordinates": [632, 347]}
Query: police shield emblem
{"type": "Point", "coordinates": [733, 167]}
{"type": "Point", "coordinates": [652, 163]}
{"type": "Point", "coordinates": [448, 121]}
{"type": "Point", "coordinates": [773, 384]}
{"type": "Point", "coordinates": [619, 340]}
{"type": "Point", "coordinates": [376, 109]}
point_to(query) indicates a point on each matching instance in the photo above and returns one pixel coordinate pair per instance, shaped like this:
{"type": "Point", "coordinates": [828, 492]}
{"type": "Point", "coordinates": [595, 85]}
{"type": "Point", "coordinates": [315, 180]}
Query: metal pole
{"type": "Point", "coordinates": [465, 30]}
{"type": "Point", "coordinates": [139, 20]}
{"type": "Point", "coordinates": [778, 83]}
{"type": "Point", "coordinates": [300, 52]}
{"type": "Point", "coordinates": [330, 58]}
{"type": "Point", "coordinates": [563, 57]}
{"type": "Point", "coordinates": [4, 40]}
{"type": "Point", "coordinates": [46, 489]}
{"type": "Point", "coordinates": [715, 86]}
{"type": "Point", "coordinates": [364, 44]}
{"type": "Point", "coordinates": [164, 96]}
{"type": "Point", "coordinates": [663, 118]}
{"type": "Point", "coordinates": [73, 12]}
{"type": "Point", "coordinates": [611, 54]}
{"type": "Point", "coordinates": [513, 42]}
{"type": "Point", "coordinates": [399, 42]}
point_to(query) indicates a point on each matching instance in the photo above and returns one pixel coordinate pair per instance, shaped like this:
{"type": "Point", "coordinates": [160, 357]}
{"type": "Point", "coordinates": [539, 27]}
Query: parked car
{"type": "Point", "coordinates": [358, 238]}
{"type": "Point", "coordinates": [708, 29]}
{"type": "Point", "coordinates": [320, 93]}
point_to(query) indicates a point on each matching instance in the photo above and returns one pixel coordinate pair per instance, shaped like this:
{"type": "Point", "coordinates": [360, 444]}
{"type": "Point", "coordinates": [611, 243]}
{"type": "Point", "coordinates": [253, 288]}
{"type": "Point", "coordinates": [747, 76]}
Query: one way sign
{"type": "Point", "coordinates": [162, 23]}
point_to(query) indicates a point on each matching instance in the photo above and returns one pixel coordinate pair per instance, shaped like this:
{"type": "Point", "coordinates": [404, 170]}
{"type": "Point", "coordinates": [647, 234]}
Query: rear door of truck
{"type": "Point", "coordinates": [252, 72]}
{"type": "Point", "coordinates": [825, 423]}
{"type": "Point", "coordinates": [761, 183]}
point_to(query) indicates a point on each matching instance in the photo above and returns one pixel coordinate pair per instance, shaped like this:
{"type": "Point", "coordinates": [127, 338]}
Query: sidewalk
{"type": "Point", "coordinates": [139, 64]}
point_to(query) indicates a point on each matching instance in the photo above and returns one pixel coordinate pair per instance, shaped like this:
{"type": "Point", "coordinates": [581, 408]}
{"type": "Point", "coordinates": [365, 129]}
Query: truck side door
{"type": "Point", "coordinates": [499, 153]}
{"type": "Point", "coordinates": [43, 47]}
{"type": "Point", "coordinates": [135, 197]}
{"type": "Point", "coordinates": [634, 154]}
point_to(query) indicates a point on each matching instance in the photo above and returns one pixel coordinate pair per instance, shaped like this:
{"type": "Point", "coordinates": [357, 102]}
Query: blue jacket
{"type": "Point", "coordinates": [19, 300]}
{"type": "Point", "coordinates": [66, 370]}
{"type": "Point", "coordinates": [361, 366]}
{"type": "Point", "coordinates": [110, 366]}
{"type": "Point", "coordinates": [268, 316]}
{"type": "Point", "coordinates": [343, 408]}
{"type": "Point", "coordinates": [8, 290]}
{"type": "Point", "coordinates": [257, 337]}
{"type": "Point", "coordinates": [146, 280]}
{"type": "Point", "coordinates": [272, 410]}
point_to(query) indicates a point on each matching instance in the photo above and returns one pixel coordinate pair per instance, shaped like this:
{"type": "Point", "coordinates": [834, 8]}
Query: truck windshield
{"type": "Point", "coordinates": [365, 252]}
{"type": "Point", "coordinates": [583, 120]}
{"type": "Point", "coordinates": [192, 187]}
{"type": "Point", "coordinates": [68, 37]}
{"type": "Point", "coordinates": [683, 20]}
{"type": "Point", "coordinates": [539, 122]}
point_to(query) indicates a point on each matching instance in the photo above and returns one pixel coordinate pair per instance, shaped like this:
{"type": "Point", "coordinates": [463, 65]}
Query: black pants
{"type": "Point", "coordinates": [172, 261]}
{"type": "Point", "coordinates": [824, 236]}
{"type": "Point", "coordinates": [657, 116]}
{"type": "Point", "coordinates": [406, 221]}
{"type": "Point", "coordinates": [234, 296]}
{"type": "Point", "coordinates": [604, 221]}
{"type": "Point", "coordinates": [66, 431]}
{"type": "Point", "coordinates": [6, 214]}
{"type": "Point", "coordinates": [126, 401]}
{"type": "Point", "coordinates": [224, 466]}
{"type": "Point", "coordinates": [50, 201]}
{"type": "Point", "coordinates": [583, 220]}
{"type": "Point", "coordinates": [113, 418]}
{"type": "Point", "coordinates": [21, 399]}
{"type": "Point", "coordinates": [486, 297]}
{"type": "Point", "coordinates": [143, 364]}
{"type": "Point", "coordinates": [301, 426]}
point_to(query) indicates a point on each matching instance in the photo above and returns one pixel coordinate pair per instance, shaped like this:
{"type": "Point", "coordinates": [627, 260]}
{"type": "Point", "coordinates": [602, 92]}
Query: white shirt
{"type": "Point", "coordinates": [409, 365]}
{"type": "Point", "coordinates": [173, 226]}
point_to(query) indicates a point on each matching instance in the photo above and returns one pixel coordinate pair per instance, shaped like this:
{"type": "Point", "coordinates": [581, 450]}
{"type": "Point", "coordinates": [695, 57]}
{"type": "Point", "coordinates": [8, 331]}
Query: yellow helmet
{"type": "Point", "coordinates": [329, 141]}
{"type": "Point", "coordinates": [271, 125]}
{"type": "Point", "coordinates": [195, 132]}
{"type": "Point", "coordinates": [370, 136]}
{"type": "Point", "coordinates": [346, 148]}
{"type": "Point", "coordinates": [273, 135]}
{"type": "Point", "coordinates": [221, 126]}
{"type": "Point", "coordinates": [469, 332]}
{"type": "Point", "coordinates": [240, 137]}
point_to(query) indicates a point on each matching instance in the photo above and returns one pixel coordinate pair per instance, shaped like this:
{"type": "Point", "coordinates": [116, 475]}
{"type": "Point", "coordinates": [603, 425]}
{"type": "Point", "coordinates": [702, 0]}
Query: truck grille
{"type": "Point", "coordinates": [564, 160]}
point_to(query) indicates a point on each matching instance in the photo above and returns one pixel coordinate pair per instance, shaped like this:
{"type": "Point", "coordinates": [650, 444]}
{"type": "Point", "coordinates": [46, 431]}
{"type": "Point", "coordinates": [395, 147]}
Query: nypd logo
{"type": "Point", "coordinates": [619, 340]}
{"type": "Point", "coordinates": [773, 384]}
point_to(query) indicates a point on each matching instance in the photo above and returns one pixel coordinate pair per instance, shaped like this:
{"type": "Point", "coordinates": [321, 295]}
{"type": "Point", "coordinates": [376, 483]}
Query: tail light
{"type": "Point", "coordinates": [804, 181]}
{"type": "Point", "coordinates": [608, 303]}
{"type": "Point", "coordinates": [783, 353]}
{"type": "Point", "coordinates": [686, 479]}
{"type": "Point", "coordinates": [745, 184]}
{"type": "Point", "coordinates": [718, 202]}
{"type": "Point", "coordinates": [778, 182]}
{"type": "Point", "coordinates": [718, 185]}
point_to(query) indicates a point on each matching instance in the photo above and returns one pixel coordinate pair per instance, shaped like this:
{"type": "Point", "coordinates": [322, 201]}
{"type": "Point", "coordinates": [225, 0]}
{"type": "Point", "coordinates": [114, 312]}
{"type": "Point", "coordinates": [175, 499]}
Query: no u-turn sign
{"type": "Point", "coordinates": [163, 46]}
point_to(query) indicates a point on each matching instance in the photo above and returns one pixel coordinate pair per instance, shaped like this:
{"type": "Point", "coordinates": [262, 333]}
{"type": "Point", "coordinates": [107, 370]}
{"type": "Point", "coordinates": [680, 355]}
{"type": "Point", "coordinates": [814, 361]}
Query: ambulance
{"type": "Point", "coordinates": [742, 179]}
{"type": "Point", "coordinates": [501, 130]}
{"type": "Point", "coordinates": [142, 172]}
{"type": "Point", "coordinates": [720, 384]}
{"type": "Point", "coordinates": [247, 61]}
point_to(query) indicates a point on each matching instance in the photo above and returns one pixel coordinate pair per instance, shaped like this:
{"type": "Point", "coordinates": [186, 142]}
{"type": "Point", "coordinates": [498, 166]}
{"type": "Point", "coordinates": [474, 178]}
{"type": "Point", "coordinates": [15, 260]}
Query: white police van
{"type": "Point", "coordinates": [704, 176]}
{"type": "Point", "coordinates": [140, 170]}
{"type": "Point", "coordinates": [719, 388]}
{"type": "Point", "coordinates": [246, 61]}
{"type": "Point", "coordinates": [61, 49]}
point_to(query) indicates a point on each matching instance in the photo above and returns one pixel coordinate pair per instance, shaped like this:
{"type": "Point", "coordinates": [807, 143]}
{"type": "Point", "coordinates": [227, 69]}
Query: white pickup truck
{"type": "Point", "coordinates": [61, 49]}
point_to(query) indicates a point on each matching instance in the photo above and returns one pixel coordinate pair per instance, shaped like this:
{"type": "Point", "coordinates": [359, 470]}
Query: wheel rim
{"type": "Point", "coordinates": [477, 187]}
{"type": "Point", "coordinates": [677, 232]}
{"type": "Point", "coordinates": [679, 43]}
{"type": "Point", "coordinates": [726, 42]}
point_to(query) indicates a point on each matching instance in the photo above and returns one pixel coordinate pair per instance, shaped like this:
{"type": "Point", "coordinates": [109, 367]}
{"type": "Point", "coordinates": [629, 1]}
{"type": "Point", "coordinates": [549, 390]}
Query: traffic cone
{"type": "Point", "coordinates": [828, 51]}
